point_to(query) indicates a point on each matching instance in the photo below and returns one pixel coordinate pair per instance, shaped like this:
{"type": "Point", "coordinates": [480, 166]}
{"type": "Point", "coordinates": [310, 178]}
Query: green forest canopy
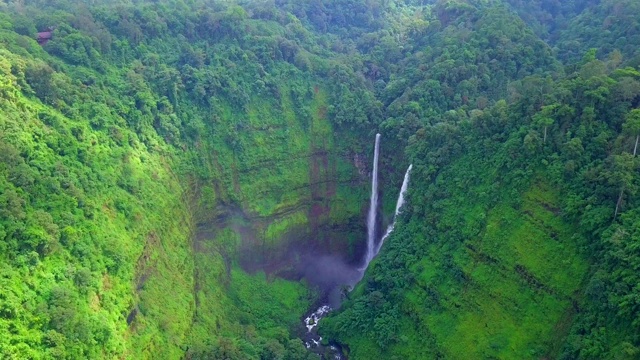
{"type": "Point", "coordinates": [139, 123]}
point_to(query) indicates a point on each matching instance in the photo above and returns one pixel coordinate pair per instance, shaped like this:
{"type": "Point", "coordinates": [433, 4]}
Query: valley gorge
{"type": "Point", "coordinates": [447, 179]}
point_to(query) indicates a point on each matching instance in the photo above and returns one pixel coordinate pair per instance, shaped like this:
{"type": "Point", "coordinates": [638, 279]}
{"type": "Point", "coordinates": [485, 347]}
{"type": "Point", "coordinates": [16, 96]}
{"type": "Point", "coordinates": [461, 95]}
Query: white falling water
{"type": "Point", "coordinates": [403, 190]}
{"type": "Point", "coordinates": [373, 206]}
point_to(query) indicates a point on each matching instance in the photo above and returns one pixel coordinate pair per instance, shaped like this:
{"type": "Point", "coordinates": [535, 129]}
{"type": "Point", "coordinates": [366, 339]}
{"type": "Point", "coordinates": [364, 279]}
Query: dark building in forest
{"type": "Point", "coordinates": [44, 37]}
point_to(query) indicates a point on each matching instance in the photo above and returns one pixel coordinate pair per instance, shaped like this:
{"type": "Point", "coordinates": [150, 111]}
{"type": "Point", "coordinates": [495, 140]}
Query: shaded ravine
{"type": "Point", "coordinates": [344, 278]}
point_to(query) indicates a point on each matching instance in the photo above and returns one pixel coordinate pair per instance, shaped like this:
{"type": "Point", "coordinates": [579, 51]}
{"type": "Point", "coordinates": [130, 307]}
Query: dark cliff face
{"type": "Point", "coordinates": [318, 221]}
{"type": "Point", "coordinates": [289, 190]}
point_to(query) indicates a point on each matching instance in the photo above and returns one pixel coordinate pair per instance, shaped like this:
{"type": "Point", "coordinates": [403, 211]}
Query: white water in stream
{"type": "Point", "coordinates": [373, 207]}
{"type": "Point", "coordinates": [313, 341]}
{"type": "Point", "coordinates": [403, 190]}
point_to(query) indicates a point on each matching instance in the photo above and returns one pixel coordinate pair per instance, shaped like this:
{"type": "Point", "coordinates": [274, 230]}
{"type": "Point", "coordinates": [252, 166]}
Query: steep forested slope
{"type": "Point", "coordinates": [492, 256]}
{"type": "Point", "coordinates": [170, 172]}
{"type": "Point", "coordinates": [609, 26]}
{"type": "Point", "coordinates": [548, 18]}
{"type": "Point", "coordinates": [519, 231]}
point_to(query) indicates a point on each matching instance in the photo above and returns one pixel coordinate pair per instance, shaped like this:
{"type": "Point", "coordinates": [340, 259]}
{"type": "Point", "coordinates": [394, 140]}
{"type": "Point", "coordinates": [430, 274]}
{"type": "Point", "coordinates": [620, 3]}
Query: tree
{"type": "Point", "coordinates": [626, 164]}
{"type": "Point", "coordinates": [544, 119]}
{"type": "Point", "coordinates": [632, 126]}
{"type": "Point", "coordinates": [623, 176]}
{"type": "Point", "coordinates": [40, 77]}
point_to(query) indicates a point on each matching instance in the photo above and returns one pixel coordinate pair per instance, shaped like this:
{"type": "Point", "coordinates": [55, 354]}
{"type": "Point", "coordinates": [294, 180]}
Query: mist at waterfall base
{"type": "Point", "coordinates": [333, 274]}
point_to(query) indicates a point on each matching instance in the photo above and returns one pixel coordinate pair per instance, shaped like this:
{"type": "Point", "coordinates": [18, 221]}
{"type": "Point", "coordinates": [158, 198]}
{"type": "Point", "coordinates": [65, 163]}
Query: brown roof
{"type": "Point", "coordinates": [45, 35]}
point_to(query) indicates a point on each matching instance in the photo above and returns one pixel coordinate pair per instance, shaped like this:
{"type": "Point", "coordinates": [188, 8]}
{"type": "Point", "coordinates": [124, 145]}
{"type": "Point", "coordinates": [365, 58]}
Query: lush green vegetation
{"type": "Point", "coordinates": [520, 219]}
{"type": "Point", "coordinates": [160, 160]}
{"type": "Point", "coordinates": [124, 142]}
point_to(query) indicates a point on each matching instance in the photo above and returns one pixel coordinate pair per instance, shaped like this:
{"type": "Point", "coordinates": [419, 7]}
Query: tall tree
{"type": "Point", "coordinates": [632, 127]}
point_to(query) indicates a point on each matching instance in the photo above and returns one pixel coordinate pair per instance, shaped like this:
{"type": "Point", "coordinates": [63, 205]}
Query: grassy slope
{"type": "Point", "coordinates": [522, 274]}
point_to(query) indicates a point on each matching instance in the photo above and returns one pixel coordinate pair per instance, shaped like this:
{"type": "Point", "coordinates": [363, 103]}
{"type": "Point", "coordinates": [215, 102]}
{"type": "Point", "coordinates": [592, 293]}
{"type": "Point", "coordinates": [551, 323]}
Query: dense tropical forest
{"type": "Point", "coordinates": [187, 179]}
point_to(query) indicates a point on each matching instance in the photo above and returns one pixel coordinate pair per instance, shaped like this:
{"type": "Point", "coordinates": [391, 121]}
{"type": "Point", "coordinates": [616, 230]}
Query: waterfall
{"type": "Point", "coordinates": [373, 206]}
{"type": "Point", "coordinates": [403, 190]}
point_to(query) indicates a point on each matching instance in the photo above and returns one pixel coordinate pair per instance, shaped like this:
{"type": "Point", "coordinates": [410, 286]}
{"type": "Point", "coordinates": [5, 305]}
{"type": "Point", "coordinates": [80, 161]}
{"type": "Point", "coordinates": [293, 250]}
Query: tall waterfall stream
{"type": "Point", "coordinates": [311, 338]}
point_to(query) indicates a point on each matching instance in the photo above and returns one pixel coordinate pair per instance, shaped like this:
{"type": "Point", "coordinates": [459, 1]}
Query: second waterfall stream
{"type": "Point", "coordinates": [403, 190]}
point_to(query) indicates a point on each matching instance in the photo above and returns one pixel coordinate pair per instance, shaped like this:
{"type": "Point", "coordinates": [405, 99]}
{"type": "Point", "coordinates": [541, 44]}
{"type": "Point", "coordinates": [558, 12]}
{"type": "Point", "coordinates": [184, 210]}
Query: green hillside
{"type": "Point", "coordinates": [187, 179]}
